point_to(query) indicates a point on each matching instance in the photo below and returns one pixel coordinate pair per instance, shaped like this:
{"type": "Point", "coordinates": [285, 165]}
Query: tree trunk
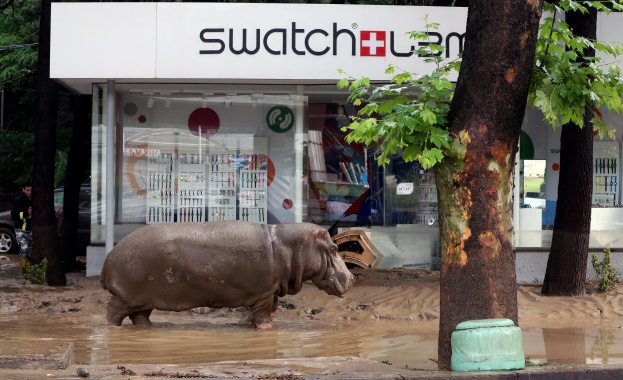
{"type": "Point", "coordinates": [45, 239]}
{"type": "Point", "coordinates": [474, 181]}
{"type": "Point", "coordinates": [566, 265]}
{"type": "Point", "coordinates": [77, 168]}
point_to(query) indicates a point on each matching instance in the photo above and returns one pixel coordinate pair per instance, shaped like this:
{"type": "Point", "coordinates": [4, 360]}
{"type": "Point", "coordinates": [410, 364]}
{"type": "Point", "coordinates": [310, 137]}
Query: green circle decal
{"type": "Point", "coordinates": [280, 119]}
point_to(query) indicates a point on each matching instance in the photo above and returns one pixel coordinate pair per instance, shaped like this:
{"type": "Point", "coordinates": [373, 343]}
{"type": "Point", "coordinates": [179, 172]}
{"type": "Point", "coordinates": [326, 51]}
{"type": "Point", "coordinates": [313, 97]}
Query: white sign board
{"type": "Point", "coordinates": [244, 41]}
{"type": "Point", "coordinates": [404, 188]}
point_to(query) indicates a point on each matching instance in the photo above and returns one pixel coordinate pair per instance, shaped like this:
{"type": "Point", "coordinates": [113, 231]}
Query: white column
{"type": "Point", "coordinates": [110, 165]}
{"type": "Point", "coordinates": [516, 190]}
{"type": "Point", "coordinates": [298, 151]}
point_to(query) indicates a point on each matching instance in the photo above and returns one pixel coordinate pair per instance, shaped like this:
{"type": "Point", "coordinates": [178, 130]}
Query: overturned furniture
{"type": "Point", "coordinates": [356, 249]}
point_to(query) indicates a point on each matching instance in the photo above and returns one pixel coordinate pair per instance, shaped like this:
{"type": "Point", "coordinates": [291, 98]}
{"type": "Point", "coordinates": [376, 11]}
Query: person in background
{"type": "Point", "coordinates": [21, 213]}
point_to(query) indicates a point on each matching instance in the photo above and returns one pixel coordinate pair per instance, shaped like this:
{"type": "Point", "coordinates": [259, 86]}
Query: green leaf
{"type": "Point", "coordinates": [343, 83]}
{"type": "Point", "coordinates": [428, 116]}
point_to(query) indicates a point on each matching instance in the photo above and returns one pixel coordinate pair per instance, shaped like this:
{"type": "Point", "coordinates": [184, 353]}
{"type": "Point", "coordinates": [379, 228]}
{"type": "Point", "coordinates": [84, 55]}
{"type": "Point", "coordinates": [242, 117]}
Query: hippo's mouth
{"type": "Point", "coordinates": [336, 283]}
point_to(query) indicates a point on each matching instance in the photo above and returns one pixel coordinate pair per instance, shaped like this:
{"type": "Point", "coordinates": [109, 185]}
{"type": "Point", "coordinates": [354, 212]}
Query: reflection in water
{"type": "Point", "coordinates": [603, 343]}
{"type": "Point", "coordinates": [191, 340]}
{"type": "Point", "coordinates": [565, 345]}
{"type": "Point", "coordinates": [574, 345]}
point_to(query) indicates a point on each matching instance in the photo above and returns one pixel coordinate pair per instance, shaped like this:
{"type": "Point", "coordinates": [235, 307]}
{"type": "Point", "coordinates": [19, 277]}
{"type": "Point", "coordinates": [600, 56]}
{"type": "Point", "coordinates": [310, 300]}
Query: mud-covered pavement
{"type": "Point", "coordinates": [385, 327]}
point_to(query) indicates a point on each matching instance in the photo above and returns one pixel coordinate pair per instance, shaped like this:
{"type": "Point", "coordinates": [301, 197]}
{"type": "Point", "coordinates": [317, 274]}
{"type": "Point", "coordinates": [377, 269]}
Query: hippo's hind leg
{"type": "Point", "coordinates": [141, 318]}
{"type": "Point", "coordinates": [117, 311]}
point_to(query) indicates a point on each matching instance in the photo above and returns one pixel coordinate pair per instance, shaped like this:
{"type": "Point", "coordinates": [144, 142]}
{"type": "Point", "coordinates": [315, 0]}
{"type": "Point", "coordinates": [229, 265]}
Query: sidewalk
{"type": "Point", "coordinates": [339, 368]}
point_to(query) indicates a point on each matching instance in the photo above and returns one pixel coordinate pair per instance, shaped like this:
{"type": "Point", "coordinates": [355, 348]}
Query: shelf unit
{"type": "Point", "coordinates": [191, 177]}
{"type": "Point", "coordinates": [160, 192]}
{"type": "Point", "coordinates": [222, 187]}
{"type": "Point", "coordinates": [208, 184]}
{"type": "Point", "coordinates": [252, 199]}
{"type": "Point", "coordinates": [427, 207]}
{"type": "Point", "coordinates": [606, 169]}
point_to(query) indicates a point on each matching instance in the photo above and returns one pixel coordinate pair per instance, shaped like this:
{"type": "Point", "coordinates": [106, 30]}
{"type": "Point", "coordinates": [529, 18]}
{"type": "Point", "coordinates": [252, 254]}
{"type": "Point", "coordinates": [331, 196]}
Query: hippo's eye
{"type": "Point", "coordinates": [333, 250]}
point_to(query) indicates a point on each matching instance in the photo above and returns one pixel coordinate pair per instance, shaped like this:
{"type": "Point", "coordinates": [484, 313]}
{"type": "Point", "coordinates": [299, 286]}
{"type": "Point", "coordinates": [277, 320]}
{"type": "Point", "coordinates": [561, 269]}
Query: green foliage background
{"type": "Point", "coordinates": [19, 33]}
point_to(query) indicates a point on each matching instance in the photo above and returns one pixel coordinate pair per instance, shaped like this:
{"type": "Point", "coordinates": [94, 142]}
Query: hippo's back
{"type": "Point", "coordinates": [175, 259]}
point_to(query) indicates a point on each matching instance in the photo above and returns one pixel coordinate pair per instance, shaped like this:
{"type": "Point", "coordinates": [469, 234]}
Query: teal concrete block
{"type": "Point", "coordinates": [487, 345]}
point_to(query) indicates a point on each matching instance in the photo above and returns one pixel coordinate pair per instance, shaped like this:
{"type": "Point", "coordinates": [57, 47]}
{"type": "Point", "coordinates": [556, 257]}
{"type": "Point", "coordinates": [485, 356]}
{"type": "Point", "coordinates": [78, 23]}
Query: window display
{"type": "Point", "coordinates": [160, 190]}
{"type": "Point", "coordinates": [191, 188]}
{"type": "Point", "coordinates": [606, 174]}
{"type": "Point", "coordinates": [253, 182]}
{"type": "Point", "coordinates": [222, 187]}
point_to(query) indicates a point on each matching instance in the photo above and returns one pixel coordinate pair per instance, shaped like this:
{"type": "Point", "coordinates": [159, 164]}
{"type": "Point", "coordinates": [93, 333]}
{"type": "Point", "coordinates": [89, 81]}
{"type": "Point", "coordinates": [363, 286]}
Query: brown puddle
{"type": "Point", "coordinates": [402, 343]}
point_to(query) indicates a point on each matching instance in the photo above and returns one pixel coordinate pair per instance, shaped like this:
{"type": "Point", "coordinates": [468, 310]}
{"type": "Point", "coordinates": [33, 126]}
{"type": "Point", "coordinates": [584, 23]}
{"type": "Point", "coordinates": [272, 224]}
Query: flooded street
{"type": "Point", "coordinates": [183, 342]}
{"type": "Point", "coordinates": [186, 341]}
{"type": "Point", "coordinates": [389, 316]}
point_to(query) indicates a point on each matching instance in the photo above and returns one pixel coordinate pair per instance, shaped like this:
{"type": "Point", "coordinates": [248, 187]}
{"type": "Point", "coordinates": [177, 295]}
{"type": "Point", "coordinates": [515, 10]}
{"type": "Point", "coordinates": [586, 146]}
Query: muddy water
{"type": "Point", "coordinates": [193, 343]}
{"type": "Point", "coordinates": [411, 344]}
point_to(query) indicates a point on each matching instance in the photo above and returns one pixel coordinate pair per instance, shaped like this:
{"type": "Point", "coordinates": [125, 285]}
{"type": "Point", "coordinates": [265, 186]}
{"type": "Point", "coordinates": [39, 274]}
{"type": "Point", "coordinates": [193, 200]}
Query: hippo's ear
{"type": "Point", "coordinates": [321, 235]}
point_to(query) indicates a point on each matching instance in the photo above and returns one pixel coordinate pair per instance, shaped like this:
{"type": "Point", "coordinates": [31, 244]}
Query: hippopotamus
{"type": "Point", "coordinates": [180, 266]}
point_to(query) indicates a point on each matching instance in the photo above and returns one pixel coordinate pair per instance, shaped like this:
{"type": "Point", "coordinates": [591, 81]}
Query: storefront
{"type": "Point", "coordinates": [231, 111]}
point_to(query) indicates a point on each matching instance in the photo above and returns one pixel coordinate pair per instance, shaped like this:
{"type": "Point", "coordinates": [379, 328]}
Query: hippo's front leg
{"type": "Point", "coordinates": [275, 305]}
{"type": "Point", "coordinates": [264, 311]}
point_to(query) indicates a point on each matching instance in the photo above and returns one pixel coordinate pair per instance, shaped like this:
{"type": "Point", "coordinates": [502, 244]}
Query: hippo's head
{"type": "Point", "coordinates": [336, 279]}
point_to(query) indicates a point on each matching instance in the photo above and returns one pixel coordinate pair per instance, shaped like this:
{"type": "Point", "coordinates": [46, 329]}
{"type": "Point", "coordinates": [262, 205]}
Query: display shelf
{"type": "Point", "coordinates": [252, 199]}
{"type": "Point", "coordinates": [606, 174]}
{"type": "Point", "coordinates": [159, 207]}
{"type": "Point", "coordinates": [427, 209]}
{"type": "Point", "coordinates": [222, 187]}
{"type": "Point", "coordinates": [191, 186]}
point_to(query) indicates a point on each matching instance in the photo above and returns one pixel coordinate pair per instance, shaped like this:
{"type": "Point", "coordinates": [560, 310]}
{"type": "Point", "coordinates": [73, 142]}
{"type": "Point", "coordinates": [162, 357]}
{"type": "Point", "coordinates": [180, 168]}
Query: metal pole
{"type": "Point", "coordinates": [110, 165]}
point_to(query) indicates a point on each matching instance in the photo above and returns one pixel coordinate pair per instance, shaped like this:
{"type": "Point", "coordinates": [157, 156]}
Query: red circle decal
{"type": "Point", "coordinates": [205, 119]}
{"type": "Point", "coordinates": [287, 204]}
{"type": "Point", "coordinates": [555, 167]}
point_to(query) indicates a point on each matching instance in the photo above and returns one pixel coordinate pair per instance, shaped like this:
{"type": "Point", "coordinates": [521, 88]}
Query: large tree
{"type": "Point", "coordinates": [77, 169]}
{"type": "Point", "coordinates": [45, 239]}
{"type": "Point", "coordinates": [568, 84]}
{"type": "Point", "coordinates": [474, 180]}
{"type": "Point", "coordinates": [471, 143]}
{"type": "Point", "coordinates": [566, 265]}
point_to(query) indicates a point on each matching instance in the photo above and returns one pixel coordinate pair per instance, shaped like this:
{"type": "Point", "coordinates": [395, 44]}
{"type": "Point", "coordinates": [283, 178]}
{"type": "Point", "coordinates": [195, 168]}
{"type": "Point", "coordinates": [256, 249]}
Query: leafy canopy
{"type": "Point", "coordinates": [411, 112]}
{"type": "Point", "coordinates": [565, 80]}
{"type": "Point", "coordinates": [19, 37]}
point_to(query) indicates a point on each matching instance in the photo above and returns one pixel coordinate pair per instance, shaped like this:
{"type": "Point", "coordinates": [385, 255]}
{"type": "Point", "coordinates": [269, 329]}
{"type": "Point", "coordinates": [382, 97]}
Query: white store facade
{"type": "Point", "coordinates": [220, 111]}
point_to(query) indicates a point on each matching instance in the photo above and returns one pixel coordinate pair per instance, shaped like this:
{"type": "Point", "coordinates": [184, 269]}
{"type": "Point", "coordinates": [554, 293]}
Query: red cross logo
{"type": "Point", "coordinates": [372, 43]}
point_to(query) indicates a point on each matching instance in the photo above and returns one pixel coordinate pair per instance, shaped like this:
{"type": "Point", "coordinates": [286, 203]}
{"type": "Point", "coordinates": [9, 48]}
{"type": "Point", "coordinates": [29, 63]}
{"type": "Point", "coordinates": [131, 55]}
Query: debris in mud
{"type": "Point", "coordinates": [357, 308]}
{"type": "Point", "coordinates": [126, 371]}
{"type": "Point", "coordinates": [287, 305]}
{"type": "Point", "coordinates": [82, 372]}
{"type": "Point", "coordinates": [177, 375]}
{"type": "Point", "coordinates": [288, 376]}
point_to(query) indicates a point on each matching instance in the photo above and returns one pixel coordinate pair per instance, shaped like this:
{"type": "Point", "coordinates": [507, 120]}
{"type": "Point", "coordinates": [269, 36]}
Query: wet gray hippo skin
{"type": "Point", "coordinates": [218, 264]}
